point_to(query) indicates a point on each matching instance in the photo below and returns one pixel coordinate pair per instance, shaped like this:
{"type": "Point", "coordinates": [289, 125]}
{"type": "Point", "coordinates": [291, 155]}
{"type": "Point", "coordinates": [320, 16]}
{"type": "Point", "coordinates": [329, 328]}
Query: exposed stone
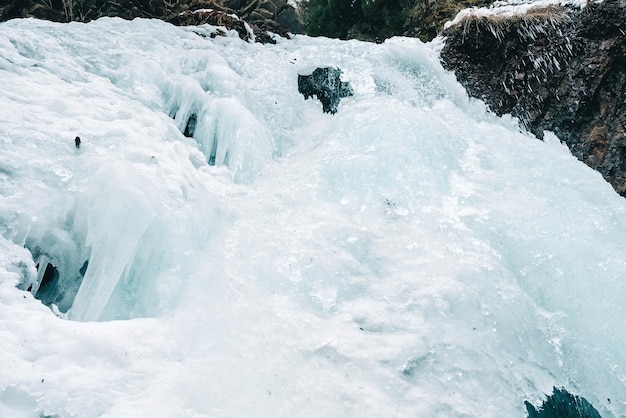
{"type": "Point", "coordinates": [325, 84]}
{"type": "Point", "coordinates": [562, 404]}
{"type": "Point", "coordinates": [212, 17]}
{"type": "Point", "coordinates": [276, 5]}
{"type": "Point", "coordinates": [556, 68]}
{"type": "Point", "coordinates": [262, 16]}
{"type": "Point", "coordinates": [288, 18]}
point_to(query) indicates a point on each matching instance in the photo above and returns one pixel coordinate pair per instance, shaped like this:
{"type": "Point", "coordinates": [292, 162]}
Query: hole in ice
{"type": "Point", "coordinates": [213, 153]}
{"type": "Point", "coordinates": [190, 127]}
{"type": "Point", "coordinates": [49, 283]}
{"type": "Point", "coordinates": [83, 269]}
{"type": "Point", "coordinates": [55, 285]}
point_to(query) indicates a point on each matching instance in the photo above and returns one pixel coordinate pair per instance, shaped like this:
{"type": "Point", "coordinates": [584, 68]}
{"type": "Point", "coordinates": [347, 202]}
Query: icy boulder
{"type": "Point", "coordinates": [325, 84]}
{"type": "Point", "coordinates": [562, 404]}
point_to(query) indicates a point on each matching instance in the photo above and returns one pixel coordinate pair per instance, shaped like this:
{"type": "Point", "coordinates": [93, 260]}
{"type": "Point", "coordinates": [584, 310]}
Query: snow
{"type": "Point", "coordinates": [412, 255]}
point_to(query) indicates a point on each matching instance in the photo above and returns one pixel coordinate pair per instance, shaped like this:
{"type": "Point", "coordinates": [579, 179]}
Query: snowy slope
{"type": "Point", "coordinates": [410, 256]}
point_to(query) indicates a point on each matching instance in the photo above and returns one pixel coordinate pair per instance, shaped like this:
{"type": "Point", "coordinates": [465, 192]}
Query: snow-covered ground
{"type": "Point", "coordinates": [410, 256]}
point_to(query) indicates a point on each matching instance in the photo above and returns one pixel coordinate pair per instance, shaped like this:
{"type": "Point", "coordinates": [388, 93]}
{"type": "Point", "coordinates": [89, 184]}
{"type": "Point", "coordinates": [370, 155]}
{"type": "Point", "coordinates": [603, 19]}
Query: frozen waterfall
{"type": "Point", "coordinates": [219, 247]}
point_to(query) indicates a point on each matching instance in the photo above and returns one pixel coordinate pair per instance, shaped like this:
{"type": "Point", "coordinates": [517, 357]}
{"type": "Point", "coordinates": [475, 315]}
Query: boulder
{"type": "Point", "coordinates": [562, 404]}
{"type": "Point", "coordinates": [289, 19]}
{"type": "Point", "coordinates": [556, 68]}
{"type": "Point", "coordinates": [325, 84]}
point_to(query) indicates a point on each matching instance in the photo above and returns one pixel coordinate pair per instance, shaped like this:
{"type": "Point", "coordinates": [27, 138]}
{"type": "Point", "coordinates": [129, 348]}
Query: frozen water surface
{"type": "Point", "coordinates": [222, 248]}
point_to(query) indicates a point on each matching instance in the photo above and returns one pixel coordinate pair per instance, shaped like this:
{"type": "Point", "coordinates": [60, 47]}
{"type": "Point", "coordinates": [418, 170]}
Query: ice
{"type": "Point", "coordinates": [225, 249]}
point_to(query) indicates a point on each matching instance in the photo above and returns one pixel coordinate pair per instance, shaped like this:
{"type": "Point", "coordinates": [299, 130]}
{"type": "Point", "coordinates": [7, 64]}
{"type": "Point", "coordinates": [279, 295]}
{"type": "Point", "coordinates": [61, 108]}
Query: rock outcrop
{"type": "Point", "coordinates": [556, 68]}
{"type": "Point", "coordinates": [263, 17]}
{"type": "Point", "coordinates": [562, 404]}
{"type": "Point", "coordinates": [325, 84]}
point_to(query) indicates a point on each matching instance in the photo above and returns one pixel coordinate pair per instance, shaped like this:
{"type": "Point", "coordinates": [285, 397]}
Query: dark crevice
{"type": "Point", "coordinates": [213, 152]}
{"type": "Point", "coordinates": [58, 279]}
{"type": "Point", "coordinates": [83, 269]}
{"type": "Point", "coordinates": [189, 131]}
{"type": "Point", "coordinates": [49, 283]}
{"type": "Point", "coordinates": [190, 127]}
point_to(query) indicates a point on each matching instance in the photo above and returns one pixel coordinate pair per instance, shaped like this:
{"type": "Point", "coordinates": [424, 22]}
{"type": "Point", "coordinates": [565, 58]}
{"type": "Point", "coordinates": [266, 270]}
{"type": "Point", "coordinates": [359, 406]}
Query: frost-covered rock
{"type": "Point", "coordinates": [562, 404]}
{"type": "Point", "coordinates": [325, 84]}
{"type": "Point", "coordinates": [556, 67]}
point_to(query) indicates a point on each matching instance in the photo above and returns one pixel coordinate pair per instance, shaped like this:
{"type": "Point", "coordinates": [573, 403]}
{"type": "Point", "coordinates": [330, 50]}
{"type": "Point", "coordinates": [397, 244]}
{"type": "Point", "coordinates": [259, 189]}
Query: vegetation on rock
{"type": "Point", "coordinates": [277, 16]}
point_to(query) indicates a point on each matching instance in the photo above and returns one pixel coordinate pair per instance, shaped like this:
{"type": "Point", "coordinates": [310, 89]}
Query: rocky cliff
{"type": "Point", "coordinates": [556, 68]}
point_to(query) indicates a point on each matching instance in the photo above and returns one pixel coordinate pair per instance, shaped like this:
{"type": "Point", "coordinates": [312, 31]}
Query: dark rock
{"type": "Point", "coordinates": [83, 269]}
{"type": "Point", "coordinates": [562, 404]}
{"type": "Point", "coordinates": [325, 84]}
{"type": "Point", "coordinates": [262, 14]}
{"type": "Point", "coordinates": [212, 17]}
{"type": "Point", "coordinates": [190, 127]}
{"type": "Point", "coordinates": [256, 13]}
{"type": "Point", "coordinates": [288, 18]}
{"type": "Point", "coordinates": [556, 68]}
{"type": "Point", "coordinates": [276, 5]}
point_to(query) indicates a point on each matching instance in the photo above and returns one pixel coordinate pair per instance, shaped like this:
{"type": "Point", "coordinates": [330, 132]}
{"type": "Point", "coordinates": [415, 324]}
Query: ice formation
{"type": "Point", "coordinates": [225, 249]}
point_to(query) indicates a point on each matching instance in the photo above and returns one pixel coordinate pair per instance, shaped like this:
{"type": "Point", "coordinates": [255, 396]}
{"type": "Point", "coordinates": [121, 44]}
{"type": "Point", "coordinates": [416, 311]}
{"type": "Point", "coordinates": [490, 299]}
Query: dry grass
{"type": "Point", "coordinates": [529, 23]}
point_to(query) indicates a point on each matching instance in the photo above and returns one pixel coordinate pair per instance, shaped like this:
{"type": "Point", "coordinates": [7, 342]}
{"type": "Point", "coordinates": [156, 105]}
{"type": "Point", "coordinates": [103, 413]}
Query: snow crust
{"type": "Point", "coordinates": [412, 255]}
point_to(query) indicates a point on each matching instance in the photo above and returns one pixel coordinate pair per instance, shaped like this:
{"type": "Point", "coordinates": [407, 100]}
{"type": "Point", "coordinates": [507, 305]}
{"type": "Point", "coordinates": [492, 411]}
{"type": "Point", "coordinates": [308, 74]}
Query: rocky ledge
{"type": "Point", "coordinates": [263, 18]}
{"type": "Point", "coordinates": [557, 68]}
